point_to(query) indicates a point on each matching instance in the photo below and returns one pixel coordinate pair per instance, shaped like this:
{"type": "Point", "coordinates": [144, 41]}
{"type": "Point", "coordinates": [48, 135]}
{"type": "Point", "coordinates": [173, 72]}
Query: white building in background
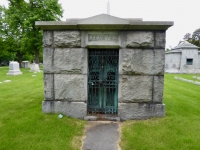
{"type": "Point", "coordinates": [184, 58]}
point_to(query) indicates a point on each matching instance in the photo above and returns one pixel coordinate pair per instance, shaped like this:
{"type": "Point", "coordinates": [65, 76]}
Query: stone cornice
{"type": "Point", "coordinates": [104, 22]}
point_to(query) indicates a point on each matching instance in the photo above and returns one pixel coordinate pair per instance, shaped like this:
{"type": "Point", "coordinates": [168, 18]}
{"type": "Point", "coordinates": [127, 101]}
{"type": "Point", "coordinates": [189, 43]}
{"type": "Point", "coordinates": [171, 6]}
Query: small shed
{"type": "Point", "coordinates": [104, 67]}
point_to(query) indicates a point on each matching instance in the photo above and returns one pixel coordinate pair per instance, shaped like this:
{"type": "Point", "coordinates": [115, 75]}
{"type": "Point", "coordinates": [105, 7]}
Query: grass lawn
{"type": "Point", "coordinates": [179, 130]}
{"type": "Point", "coordinates": [23, 126]}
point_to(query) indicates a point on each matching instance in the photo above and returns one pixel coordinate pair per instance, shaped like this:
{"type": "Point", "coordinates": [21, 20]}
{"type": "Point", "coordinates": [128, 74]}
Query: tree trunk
{"type": "Point", "coordinates": [20, 56]}
{"type": "Point", "coordinates": [37, 53]}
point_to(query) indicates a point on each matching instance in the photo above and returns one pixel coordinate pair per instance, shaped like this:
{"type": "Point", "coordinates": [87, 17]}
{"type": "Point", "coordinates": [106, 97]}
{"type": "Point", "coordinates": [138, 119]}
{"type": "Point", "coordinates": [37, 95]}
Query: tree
{"type": "Point", "coordinates": [194, 38]}
{"type": "Point", "coordinates": [40, 10]}
{"type": "Point", "coordinates": [187, 36]}
{"type": "Point", "coordinates": [4, 53]}
{"type": "Point", "coordinates": [21, 34]}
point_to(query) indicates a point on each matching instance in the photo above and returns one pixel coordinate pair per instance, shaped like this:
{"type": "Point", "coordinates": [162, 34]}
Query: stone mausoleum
{"type": "Point", "coordinates": [104, 67]}
{"type": "Point", "coordinates": [184, 58]}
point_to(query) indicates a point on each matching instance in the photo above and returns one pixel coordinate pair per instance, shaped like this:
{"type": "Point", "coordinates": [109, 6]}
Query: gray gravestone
{"type": "Point", "coordinates": [34, 68]}
{"type": "Point", "coordinates": [14, 69]}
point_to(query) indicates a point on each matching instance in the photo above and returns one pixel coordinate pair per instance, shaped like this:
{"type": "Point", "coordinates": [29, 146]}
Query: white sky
{"type": "Point", "coordinates": [184, 13]}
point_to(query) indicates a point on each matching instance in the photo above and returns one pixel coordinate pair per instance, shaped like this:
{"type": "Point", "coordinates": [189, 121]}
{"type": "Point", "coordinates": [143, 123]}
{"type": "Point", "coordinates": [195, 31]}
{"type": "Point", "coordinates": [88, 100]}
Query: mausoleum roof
{"type": "Point", "coordinates": [104, 22]}
{"type": "Point", "coordinates": [184, 45]}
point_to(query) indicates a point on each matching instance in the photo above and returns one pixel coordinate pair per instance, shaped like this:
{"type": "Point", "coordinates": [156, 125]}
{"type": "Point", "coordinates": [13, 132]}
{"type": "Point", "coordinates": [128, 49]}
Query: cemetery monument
{"type": "Point", "coordinates": [104, 67]}
{"type": "Point", "coordinates": [14, 69]}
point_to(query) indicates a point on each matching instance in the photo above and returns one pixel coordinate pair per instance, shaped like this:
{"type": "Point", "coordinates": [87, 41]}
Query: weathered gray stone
{"type": "Point", "coordinates": [67, 39]}
{"type": "Point", "coordinates": [158, 89]}
{"type": "Point", "coordinates": [48, 86]}
{"type": "Point", "coordinates": [68, 60]}
{"type": "Point", "coordinates": [47, 38]}
{"type": "Point", "coordinates": [103, 19]}
{"type": "Point", "coordinates": [64, 60]}
{"type": "Point", "coordinates": [69, 87]}
{"type": "Point", "coordinates": [160, 39]}
{"type": "Point", "coordinates": [128, 111]}
{"type": "Point", "coordinates": [140, 39]}
{"type": "Point", "coordinates": [73, 109]}
{"type": "Point", "coordinates": [108, 39]}
{"type": "Point", "coordinates": [139, 62]}
{"type": "Point", "coordinates": [104, 22]}
{"type": "Point", "coordinates": [136, 88]}
{"type": "Point", "coordinates": [34, 67]}
{"type": "Point", "coordinates": [47, 60]}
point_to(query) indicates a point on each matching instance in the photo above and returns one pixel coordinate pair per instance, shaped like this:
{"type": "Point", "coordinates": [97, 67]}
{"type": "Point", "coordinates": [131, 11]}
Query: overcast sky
{"type": "Point", "coordinates": [184, 13]}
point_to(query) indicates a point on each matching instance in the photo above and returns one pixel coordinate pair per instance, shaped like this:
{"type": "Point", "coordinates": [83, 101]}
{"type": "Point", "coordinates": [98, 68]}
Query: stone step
{"type": "Point", "coordinates": [101, 117]}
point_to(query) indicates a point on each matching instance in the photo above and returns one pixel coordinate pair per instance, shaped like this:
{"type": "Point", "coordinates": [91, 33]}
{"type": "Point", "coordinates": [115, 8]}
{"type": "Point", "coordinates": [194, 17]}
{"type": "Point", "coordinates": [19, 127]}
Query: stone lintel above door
{"type": "Point", "coordinates": [104, 39]}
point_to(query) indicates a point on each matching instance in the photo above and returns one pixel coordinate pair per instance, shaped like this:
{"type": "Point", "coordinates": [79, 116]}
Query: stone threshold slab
{"type": "Point", "coordinates": [100, 117]}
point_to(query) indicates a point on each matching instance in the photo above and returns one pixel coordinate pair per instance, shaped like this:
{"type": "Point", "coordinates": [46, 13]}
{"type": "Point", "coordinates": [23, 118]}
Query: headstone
{"type": "Point", "coordinates": [25, 64]}
{"type": "Point", "coordinates": [175, 77]}
{"type": "Point", "coordinates": [194, 77]}
{"type": "Point", "coordinates": [191, 81]}
{"type": "Point", "coordinates": [198, 83]}
{"type": "Point", "coordinates": [7, 81]}
{"type": "Point", "coordinates": [34, 67]}
{"type": "Point", "coordinates": [14, 69]}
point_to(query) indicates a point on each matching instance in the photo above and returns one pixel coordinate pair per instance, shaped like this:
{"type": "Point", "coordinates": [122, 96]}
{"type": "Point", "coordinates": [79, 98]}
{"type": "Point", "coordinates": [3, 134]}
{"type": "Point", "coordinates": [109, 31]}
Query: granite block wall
{"type": "Point", "coordinates": [141, 71]}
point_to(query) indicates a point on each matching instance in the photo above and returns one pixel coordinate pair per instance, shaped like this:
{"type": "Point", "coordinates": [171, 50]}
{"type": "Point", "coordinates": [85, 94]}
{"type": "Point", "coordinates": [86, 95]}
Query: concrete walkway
{"type": "Point", "coordinates": [101, 135]}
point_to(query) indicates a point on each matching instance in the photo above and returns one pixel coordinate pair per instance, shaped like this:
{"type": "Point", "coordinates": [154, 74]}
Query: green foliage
{"type": "Point", "coordinates": [194, 38]}
{"type": "Point", "coordinates": [20, 35]}
{"type": "Point", "coordinates": [23, 126]}
{"type": "Point", "coordinates": [178, 130]}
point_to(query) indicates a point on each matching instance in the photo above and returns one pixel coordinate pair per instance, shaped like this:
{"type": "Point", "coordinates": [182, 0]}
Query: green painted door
{"type": "Point", "coordinates": [103, 81]}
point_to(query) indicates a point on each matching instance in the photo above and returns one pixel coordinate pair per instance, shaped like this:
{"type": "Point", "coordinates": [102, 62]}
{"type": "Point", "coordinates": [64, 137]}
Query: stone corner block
{"type": "Point", "coordinates": [140, 39]}
{"type": "Point", "coordinates": [67, 39]}
{"type": "Point", "coordinates": [48, 86]}
{"type": "Point", "coordinates": [129, 111]}
{"type": "Point", "coordinates": [160, 39]}
{"type": "Point", "coordinates": [72, 109]}
{"type": "Point", "coordinates": [143, 62]}
{"type": "Point", "coordinates": [47, 59]}
{"type": "Point", "coordinates": [158, 88]}
{"type": "Point", "coordinates": [47, 38]}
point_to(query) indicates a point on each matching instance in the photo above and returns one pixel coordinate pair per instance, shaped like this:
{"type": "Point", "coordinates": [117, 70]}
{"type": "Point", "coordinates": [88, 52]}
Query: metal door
{"type": "Point", "coordinates": [103, 81]}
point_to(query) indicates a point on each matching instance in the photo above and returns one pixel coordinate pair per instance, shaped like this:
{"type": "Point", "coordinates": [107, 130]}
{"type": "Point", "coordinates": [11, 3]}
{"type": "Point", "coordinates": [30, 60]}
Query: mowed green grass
{"type": "Point", "coordinates": [23, 126]}
{"type": "Point", "coordinates": [179, 130]}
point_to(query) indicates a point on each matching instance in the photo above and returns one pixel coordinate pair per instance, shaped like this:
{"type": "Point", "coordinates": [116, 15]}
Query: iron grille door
{"type": "Point", "coordinates": [103, 81]}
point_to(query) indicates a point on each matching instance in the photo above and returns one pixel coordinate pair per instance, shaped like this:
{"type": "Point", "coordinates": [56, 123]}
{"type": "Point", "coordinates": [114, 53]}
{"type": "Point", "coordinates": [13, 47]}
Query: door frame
{"type": "Point", "coordinates": [117, 80]}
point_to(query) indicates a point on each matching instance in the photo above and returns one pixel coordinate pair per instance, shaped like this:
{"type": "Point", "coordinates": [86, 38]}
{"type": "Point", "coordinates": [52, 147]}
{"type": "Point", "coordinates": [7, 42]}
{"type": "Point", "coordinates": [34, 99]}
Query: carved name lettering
{"type": "Point", "coordinates": [103, 37]}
